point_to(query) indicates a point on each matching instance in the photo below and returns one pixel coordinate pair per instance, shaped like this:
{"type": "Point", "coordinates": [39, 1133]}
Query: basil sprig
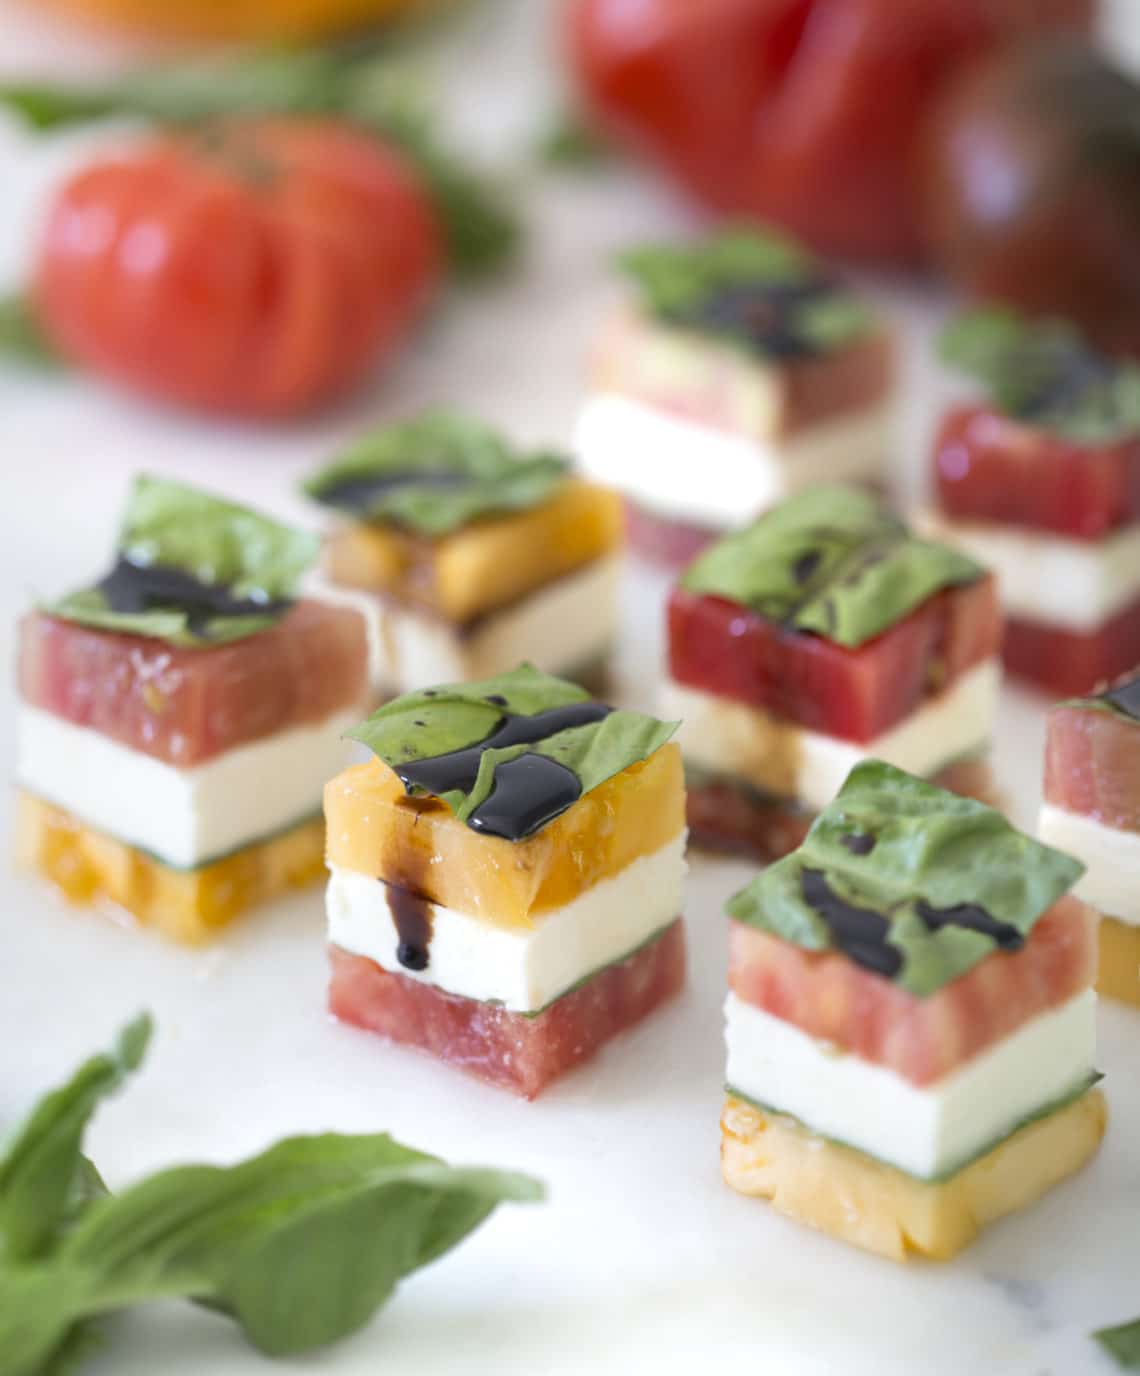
{"type": "Point", "coordinates": [436, 473]}
{"type": "Point", "coordinates": [300, 1245]}
{"type": "Point", "coordinates": [234, 570]}
{"type": "Point", "coordinates": [1045, 373]}
{"type": "Point", "coordinates": [833, 561]}
{"type": "Point", "coordinates": [353, 82]}
{"type": "Point", "coordinates": [930, 883]}
{"type": "Point", "coordinates": [754, 288]}
{"type": "Point", "coordinates": [1122, 1343]}
{"type": "Point", "coordinates": [440, 721]}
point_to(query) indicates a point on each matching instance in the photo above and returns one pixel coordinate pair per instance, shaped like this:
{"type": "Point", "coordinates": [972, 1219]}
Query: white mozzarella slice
{"type": "Point", "coordinates": [925, 1131]}
{"type": "Point", "coordinates": [683, 470]}
{"type": "Point", "coordinates": [185, 817]}
{"type": "Point", "coordinates": [524, 968]}
{"type": "Point", "coordinates": [1111, 882]}
{"type": "Point", "coordinates": [778, 757]}
{"type": "Point", "coordinates": [558, 628]}
{"type": "Point", "coordinates": [1076, 585]}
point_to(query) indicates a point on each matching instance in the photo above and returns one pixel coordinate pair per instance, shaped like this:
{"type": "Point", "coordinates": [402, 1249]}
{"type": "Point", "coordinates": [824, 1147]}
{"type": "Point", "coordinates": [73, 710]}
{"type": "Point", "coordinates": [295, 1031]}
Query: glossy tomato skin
{"type": "Point", "coordinates": [800, 111]}
{"type": "Point", "coordinates": [1031, 187]}
{"type": "Point", "coordinates": [989, 467]}
{"type": "Point", "coordinates": [721, 647]}
{"type": "Point", "coordinates": [258, 269]}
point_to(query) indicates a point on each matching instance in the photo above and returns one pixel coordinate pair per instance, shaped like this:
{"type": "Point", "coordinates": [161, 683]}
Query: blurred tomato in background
{"type": "Point", "coordinates": [260, 20]}
{"type": "Point", "coordinates": [257, 267]}
{"type": "Point", "coordinates": [805, 112]}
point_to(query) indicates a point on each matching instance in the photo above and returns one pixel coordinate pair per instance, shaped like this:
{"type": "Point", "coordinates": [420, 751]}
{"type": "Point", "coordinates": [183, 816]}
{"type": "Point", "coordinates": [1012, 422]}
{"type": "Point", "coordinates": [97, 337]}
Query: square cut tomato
{"type": "Point", "coordinates": [989, 467]}
{"type": "Point", "coordinates": [1065, 663]}
{"type": "Point", "coordinates": [185, 706]}
{"type": "Point", "coordinates": [724, 648]}
{"type": "Point", "coordinates": [1092, 765]}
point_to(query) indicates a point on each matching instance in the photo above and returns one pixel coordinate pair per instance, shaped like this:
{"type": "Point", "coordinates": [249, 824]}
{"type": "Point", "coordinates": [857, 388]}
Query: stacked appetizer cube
{"type": "Point", "coordinates": [911, 1028]}
{"type": "Point", "coordinates": [742, 373]}
{"type": "Point", "coordinates": [822, 634]}
{"type": "Point", "coordinates": [1040, 481]}
{"type": "Point", "coordinates": [180, 717]}
{"type": "Point", "coordinates": [506, 875]}
{"type": "Point", "coordinates": [1092, 810]}
{"type": "Point", "coordinates": [480, 556]}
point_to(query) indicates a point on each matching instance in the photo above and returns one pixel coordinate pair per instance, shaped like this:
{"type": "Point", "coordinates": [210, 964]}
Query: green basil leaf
{"type": "Point", "coordinates": [833, 561]}
{"type": "Point", "coordinates": [570, 143]}
{"type": "Point", "coordinates": [45, 1181]}
{"type": "Point", "coordinates": [1045, 373]}
{"type": "Point", "coordinates": [673, 277]}
{"type": "Point", "coordinates": [931, 850]}
{"type": "Point", "coordinates": [435, 474]}
{"type": "Point", "coordinates": [594, 753]}
{"type": "Point", "coordinates": [21, 337]}
{"type": "Point", "coordinates": [217, 543]}
{"type": "Point", "coordinates": [1122, 1344]}
{"type": "Point", "coordinates": [300, 1244]}
{"type": "Point", "coordinates": [1120, 699]}
{"type": "Point", "coordinates": [42, 1328]}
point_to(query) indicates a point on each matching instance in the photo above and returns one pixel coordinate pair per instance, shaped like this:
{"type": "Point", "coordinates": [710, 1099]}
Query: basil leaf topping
{"type": "Point", "coordinates": [947, 882]}
{"type": "Point", "coordinates": [1045, 373]}
{"type": "Point", "coordinates": [1122, 1344]}
{"type": "Point", "coordinates": [1121, 699]}
{"type": "Point", "coordinates": [435, 474]}
{"type": "Point", "coordinates": [833, 561]}
{"type": "Point", "coordinates": [193, 569]}
{"type": "Point", "coordinates": [753, 288]}
{"type": "Point", "coordinates": [460, 742]}
{"type": "Point", "coordinates": [299, 1245]}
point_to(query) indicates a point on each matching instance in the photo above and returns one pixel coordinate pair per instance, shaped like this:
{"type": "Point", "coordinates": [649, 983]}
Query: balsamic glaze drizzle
{"type": "Point", "coordinates": [860, 933]}
{"type": "Point", "coordinates": [412, 917]}
{"type": "Point", "coordinates": [762, 314]}
{"type": "Point", "coordinates": [132, 588]}
{"type": "Point", "coordinates": [358, 493]}
{"type": "Point", "coordinates": [525, 789]}
{"type": "Point", "coordinates": [974, 918]}
{"type": "Point", "coordinates": [858, 843]}
{"type": "Point", "coordinates": [1125, 697]}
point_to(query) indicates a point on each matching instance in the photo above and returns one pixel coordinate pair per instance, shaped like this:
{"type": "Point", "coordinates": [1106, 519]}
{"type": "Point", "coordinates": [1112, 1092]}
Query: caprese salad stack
{"type": "Point", "coordinates": [506, 875]}
{"type": "Point", "coordinates": [480, 555]}
{"type": "Point", "coordinates": [179, 717]}
{"type": "Point", "coordinates": [742, 372]}
{"type": "Point", "coordinates": [1092, 810]}
{"type": "Point", "coordinates": [911, 1027]}
{"type": "Point", "coordinates": [1040, 481]}
{"type": "Point", "coordinates": [824, 633]}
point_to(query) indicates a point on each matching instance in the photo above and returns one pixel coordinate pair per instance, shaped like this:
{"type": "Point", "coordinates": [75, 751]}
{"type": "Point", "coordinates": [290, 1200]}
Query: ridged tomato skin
{"type": "Point", "coordinates": [990, 467]}
{"type": "Point", "coordinates": [922, 1039]}
{"type": "Point", "coordinates": [1092, 765]}
{"type": "Point", "coordinates": [1067, 663]}
{"type": "Point", "coordinates": [806, 112]}
{"type": "Point", "coordinates": [721, 647]}
{"type": "Point", "coordinates": [258, 269]}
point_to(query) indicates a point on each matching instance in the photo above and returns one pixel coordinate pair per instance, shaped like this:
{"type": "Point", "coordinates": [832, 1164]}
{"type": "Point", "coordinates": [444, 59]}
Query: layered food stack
{"type": "Point", "coordinates": [822, 634]}
{"type": "Point", "coordinates": [480, 555]}
{"type": "Point", "coordinates": [506, 875]}
{"type": "Point", "coordinates": [742, 372]}
{"type": "Point", "coordinates": [1040, 481]}
{"type": "Point", "coordinates": [911, 1027]}
{"type": "Point", "coordinates": [1092, 810]}
{"type": "Point", "coordinates": [179, 717]}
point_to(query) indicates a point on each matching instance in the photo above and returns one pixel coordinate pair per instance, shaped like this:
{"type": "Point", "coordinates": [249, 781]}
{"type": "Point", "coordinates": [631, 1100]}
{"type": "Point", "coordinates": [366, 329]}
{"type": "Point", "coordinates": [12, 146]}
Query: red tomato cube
{"type": "Point", "coordinates": [1066, 663]}
{"type": "Point", "coordinates": [989, 467]}
{"type": "Point", "coordinates": [1092, 765]}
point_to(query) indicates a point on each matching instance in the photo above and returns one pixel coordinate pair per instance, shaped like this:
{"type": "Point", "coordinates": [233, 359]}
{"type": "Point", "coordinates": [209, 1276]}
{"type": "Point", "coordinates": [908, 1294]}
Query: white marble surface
{"type": "Point", "coordinates": [641, 1260]}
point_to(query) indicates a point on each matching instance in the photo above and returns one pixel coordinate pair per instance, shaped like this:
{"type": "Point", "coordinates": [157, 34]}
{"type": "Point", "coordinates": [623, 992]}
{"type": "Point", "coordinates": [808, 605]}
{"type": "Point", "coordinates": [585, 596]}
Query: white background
{"type": "Point", "coordinates": [642, 1260]}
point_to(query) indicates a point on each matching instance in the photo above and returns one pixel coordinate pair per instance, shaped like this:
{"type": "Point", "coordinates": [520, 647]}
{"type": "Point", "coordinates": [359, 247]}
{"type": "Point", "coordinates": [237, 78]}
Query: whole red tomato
{"type": "Point", "coordinates": [259, 267]}
{"type": "Point", "coordinates": [800, 111]}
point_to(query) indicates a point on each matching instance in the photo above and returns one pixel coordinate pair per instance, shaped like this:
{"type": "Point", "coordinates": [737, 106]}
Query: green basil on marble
{"type": "Point", "coordinates": [831, 560]}
{"type": "Point", "coordinates": [437, 473]}
{"type": "Point", "coordinates": [929, 850]}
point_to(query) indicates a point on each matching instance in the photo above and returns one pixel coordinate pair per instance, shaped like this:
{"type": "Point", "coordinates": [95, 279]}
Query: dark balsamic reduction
{"type": "Point", "coordinates": [358, 494]}
{"type": "Point", "coordinates": [762, 314]}
{"type": "Point", "coordinates": [1125, 697]}
{"type": "Point", "coordinates": [974, 918]}
{"type": "Point", "coordinates": [858, 843]}
{"type": "Point", "coordinates": [132, 588]}
{"type": "Point", "coordinates": [806, 565]}
{"type": "Point", "coordinates": [1065, 386]}
{"type": "Point", "coordinates": [411, 914]}
{"type": "Point", "coordinates": [860, 933]}
{"type": "Point", "coordinates": [518, 795]}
